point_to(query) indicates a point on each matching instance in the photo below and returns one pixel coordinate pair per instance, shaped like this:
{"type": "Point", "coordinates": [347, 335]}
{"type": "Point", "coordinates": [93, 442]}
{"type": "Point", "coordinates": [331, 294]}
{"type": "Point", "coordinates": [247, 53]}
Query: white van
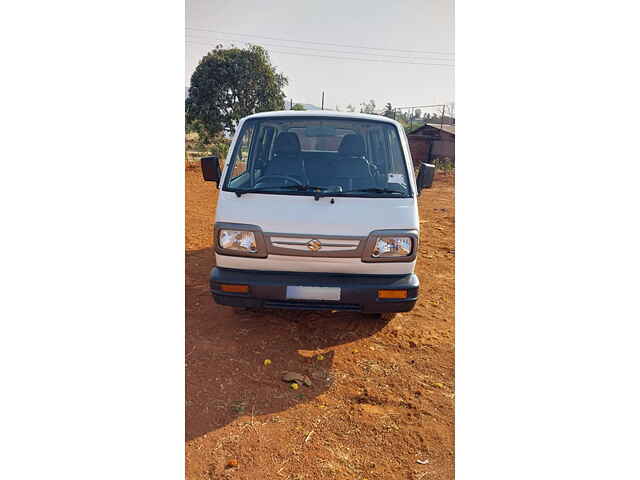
{"type": "Point", "coordinates": [317, 210]}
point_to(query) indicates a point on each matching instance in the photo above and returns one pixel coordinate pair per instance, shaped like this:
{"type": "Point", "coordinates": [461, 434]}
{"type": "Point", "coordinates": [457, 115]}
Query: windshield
{"type": "Point", "coordinates": [305, 156]}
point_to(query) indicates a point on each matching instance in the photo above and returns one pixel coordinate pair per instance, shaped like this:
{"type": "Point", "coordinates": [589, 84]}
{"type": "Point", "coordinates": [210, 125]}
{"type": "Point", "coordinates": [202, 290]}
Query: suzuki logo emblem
{"type": "Point", "coordinates": [314, 245]}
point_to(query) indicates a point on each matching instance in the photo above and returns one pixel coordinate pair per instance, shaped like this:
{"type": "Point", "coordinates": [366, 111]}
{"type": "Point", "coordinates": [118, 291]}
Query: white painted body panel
{"type": "Point", "coordinates": [303, 215]}
{"type": "Point", "coordinates": [297, 214]}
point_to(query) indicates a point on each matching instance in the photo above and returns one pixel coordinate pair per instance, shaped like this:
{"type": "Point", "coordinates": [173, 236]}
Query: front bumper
{"type": "Point", "coordinates": [358, 292]}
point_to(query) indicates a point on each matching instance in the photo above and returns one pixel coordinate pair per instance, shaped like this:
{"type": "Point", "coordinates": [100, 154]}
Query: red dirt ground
{"type": "Point", "coordinates": [382, 396]}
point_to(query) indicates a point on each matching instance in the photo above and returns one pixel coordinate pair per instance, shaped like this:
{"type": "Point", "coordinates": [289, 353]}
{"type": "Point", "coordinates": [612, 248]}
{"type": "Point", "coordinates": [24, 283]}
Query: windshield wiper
{"type": "Point", "coordinates": [373, 190]}
{"type": "Point", "coordinates": [300, 188]}
{"type": "Point", "coordinates": [305, 188]}
{"type": "Point", "coordinates": [317, 191]}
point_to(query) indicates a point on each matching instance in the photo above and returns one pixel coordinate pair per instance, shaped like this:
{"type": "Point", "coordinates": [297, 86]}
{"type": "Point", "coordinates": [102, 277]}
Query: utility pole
{"type": "Point", "coordinates": [442, 118]}
{"type": "Point", "coordinates": [291, 108]}
{"type": "Point", "coordinates": [322, 100]}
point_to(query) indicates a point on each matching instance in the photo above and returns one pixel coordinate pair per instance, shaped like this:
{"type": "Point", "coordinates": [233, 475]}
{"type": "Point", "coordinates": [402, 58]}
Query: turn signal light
{"type": "Point", "coordinates": [225, 287]}
{"type": "Point", "coordinates": [392, 294]}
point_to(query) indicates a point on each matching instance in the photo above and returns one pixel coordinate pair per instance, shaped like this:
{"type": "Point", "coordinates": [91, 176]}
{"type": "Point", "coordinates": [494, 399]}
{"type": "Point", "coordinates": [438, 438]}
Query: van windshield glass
{"type": "Point", "coordinates": [304, 156]}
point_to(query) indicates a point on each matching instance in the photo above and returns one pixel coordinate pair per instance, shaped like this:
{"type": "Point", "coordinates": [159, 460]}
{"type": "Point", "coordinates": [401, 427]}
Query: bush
{"type": "Point", "coordinates": [196, 148]}
{"type": "Point", "coordinates": [445, 164]}
{"type": "Point", "coordinates": [220, 148]}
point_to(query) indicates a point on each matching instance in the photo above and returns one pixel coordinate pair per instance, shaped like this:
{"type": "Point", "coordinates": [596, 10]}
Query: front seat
{"type": "Point", "coordinates": [286, 159]}
{"type": "Point", "coordinates": [352, 168]}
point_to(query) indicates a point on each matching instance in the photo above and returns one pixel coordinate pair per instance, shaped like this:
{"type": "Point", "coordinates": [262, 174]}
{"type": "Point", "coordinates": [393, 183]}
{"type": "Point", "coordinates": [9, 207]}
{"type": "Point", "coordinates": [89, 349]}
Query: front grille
{"type": "Point", "coordinates": [300, 305]}
{"type": "Point", "coordinates": [314, 245]}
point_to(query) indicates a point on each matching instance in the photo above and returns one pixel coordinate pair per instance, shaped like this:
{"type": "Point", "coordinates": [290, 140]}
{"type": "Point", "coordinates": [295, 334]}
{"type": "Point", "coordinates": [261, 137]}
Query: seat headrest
{"type": "Point", "coordinates": [352, 145]}
{"type": "Point", "coordinates": [287, 142]}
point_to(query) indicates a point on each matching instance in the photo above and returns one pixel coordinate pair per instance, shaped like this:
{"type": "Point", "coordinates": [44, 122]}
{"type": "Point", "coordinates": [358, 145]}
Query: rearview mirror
{"type": "Point", "coordinates": [210, 169]}
{"type": "Point", "coordinates": [425, 176]}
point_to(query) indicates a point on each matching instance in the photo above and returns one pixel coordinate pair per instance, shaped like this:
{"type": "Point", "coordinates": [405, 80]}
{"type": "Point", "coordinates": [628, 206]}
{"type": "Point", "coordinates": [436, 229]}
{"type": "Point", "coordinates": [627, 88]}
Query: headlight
{"type": "Point", "coordinates": [240, 240]}
{"type": "Point", "coordinates": [392, 247]}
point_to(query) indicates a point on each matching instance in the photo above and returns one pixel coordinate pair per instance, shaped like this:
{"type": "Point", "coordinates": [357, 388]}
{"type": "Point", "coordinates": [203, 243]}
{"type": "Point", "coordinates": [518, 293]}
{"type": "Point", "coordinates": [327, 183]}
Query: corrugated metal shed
{"type": "Point", "coordinates": [430, 141]}
{"type": "Point", "coordinates": [426, 129]}
{"type": "Point", "coordinates": [446, 128]}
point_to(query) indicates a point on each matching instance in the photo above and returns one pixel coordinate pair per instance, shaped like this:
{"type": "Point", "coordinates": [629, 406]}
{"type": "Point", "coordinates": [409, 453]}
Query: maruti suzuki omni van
{"type": "Point", "coordinates": [317, 210]}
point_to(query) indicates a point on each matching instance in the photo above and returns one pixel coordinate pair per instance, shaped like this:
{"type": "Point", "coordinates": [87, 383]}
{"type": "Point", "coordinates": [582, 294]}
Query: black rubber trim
{"type": "Point", "coordinates": [267, 289]}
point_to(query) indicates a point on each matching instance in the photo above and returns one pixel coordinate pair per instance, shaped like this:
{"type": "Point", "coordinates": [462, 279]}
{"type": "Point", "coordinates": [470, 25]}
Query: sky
{"type": "Point", "coordinates": [396, 34]}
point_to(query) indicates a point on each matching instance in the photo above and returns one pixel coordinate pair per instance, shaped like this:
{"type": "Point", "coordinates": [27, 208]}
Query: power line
{"type": "Point", "coordinates": [344, 58]}
{"type": "Point", "coordinates": [324, 50]}
{"type": "Point", "coordinates": [321, 43]}
{"type": "Point", "coordinates": [420, 106]}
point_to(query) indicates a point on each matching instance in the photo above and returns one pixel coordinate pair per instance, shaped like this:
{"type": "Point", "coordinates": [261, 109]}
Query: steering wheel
{"type": "Point", "coordinates": [282, 177]}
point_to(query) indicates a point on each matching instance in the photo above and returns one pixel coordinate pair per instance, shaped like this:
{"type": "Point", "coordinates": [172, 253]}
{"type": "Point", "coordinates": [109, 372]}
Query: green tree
{"type": "Point", "coordinates": [350, 108]}
{"type": "Point", "coordinates": [298, 107]}
{"type": "Point", "coordinates": [388, 110]}
{"type": "Point", "coordinates": [231, 83]}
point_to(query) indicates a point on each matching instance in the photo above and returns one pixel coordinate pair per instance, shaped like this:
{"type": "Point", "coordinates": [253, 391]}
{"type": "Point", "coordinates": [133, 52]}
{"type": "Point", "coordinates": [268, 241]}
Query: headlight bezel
{"type": "Point", "coordinates": [367, 254]}
{"type": "Point", "coordinates": [261, 248]}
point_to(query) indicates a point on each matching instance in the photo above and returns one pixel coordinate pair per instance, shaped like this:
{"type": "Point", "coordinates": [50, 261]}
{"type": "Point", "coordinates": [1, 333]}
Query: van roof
{"type": "Point", "coordinates": [324, 113]}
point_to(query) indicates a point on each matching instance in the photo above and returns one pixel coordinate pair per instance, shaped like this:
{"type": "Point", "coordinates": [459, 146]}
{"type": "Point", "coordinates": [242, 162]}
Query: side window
{"type": "Point", "coordinates": [395, 152]}
{"type": "Point", "coordinates": [396, 173]}
{"type": "Point", "coordinates": [241, 156]}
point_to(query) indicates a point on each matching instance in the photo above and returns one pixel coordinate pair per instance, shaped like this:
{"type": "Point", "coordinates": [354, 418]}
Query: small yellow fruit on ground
{"type": "Point", "coordinates": [320, 357]}
{"type": "Point", "coordinates": [295, 386]}
{"type": "Point", "coordinates": [267, 362]}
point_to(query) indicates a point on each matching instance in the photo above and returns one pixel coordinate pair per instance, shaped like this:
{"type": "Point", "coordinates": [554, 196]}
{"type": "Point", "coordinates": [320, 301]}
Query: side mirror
{"type": "Point", "coordinates": [210, 169]}
{"type": "Point", "coordinates": [425, 176]}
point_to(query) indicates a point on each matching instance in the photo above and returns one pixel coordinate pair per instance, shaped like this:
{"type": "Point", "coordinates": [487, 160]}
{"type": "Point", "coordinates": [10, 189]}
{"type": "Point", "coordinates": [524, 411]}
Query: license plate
{"type": "Point", "coordinates": [313, 293]}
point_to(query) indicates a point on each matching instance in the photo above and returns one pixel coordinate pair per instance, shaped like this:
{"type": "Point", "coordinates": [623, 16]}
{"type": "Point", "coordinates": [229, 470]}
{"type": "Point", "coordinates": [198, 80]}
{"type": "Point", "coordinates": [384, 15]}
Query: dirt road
{"type": "Point", "coordinates": [382, 393]}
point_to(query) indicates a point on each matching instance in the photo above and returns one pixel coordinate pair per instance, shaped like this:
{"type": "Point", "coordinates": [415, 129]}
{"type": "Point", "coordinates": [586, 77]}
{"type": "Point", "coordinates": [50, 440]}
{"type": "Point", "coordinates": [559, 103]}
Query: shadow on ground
{"type": "Point", "coordinates": [226, 348]}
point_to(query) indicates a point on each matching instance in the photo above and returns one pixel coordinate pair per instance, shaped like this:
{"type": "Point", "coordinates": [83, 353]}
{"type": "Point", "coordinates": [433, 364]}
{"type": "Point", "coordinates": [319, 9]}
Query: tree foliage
{"type": "Point", "coordinates": [388, 110]}
{"type": "Point", "coordinates": [231, 83]}
{"type": "Point", "coordinates": [298, 107]}
{"type": "Point", "coordinates": [369, 107]}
